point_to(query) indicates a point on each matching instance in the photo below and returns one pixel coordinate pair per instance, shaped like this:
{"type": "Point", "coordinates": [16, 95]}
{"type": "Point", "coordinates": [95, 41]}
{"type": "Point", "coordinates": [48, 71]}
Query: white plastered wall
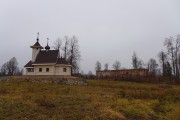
{"type": "Point", "coordinates": [44, 72]}
{"type": "Point", "coordinates": [59, 70]}
{"type": "Point", "coordinates": [53, 70]}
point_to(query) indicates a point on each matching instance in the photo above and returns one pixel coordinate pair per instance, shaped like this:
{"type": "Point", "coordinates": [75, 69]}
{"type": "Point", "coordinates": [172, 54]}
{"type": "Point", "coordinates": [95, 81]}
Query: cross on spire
{"type": "Point", "coordinates": [38, 37]}
{"type": "Point", "coordinates": [47, 47]}
{"type": "Point", "coordinates": [47, 40]}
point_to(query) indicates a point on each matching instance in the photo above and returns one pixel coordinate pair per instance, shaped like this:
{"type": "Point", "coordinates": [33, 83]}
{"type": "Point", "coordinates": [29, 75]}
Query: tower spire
{"type": "Point", "coordinates": [47, 47]}
{"type": "Point", "coordinates": [38, 37]}
{"type": "Point", "coordinates": [37, 45]}
{"type": "Point", "coordinates": [47, 40]}
{"type": "Point", "coordinates": [36, 48]}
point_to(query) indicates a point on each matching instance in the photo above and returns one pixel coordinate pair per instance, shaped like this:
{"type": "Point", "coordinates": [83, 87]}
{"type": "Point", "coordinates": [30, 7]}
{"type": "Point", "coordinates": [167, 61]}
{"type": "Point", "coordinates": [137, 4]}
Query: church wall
{"type": "Point", "coordinates": [44, 72]}
{"type": "Point", "coordinates": [28, 73]}
{"type": "Point", "coordinates": [59, 70]}
{"type": "Point", "coordinates": [53, 70]}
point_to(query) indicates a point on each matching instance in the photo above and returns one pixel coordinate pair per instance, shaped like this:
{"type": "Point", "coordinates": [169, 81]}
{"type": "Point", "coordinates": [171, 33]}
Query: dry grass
{"type": "Point", "coordinates": [112, 100]}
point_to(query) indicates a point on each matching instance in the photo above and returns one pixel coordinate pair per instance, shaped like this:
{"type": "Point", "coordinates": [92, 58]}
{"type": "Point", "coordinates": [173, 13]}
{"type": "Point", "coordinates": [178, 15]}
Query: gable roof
{"type": "Point", "coordinates": [29, 64]}
{"type": "Point", "coordinates": [36, 45]}
{"type": "Point", "coordinates": [62, 61]}
{"type": "Point", "coordinates": [50, 56]}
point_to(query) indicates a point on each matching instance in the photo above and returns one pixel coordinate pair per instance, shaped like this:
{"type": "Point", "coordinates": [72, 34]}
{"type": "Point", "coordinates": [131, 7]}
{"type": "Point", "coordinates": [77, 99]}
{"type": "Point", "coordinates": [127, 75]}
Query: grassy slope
{"type": "Point", "coordinates": [100, 100]}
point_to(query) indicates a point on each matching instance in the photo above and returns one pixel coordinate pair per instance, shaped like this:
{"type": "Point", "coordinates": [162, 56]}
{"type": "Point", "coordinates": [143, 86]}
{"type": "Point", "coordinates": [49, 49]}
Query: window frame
{"type": "Point", "coordinates": [64, 69]}
{"type": "Point", "coordinates": [30, 69]}
{"type": "Point", "coordinates": [40, 69]}
{"type": "Point", "coordinates": [47, 69]}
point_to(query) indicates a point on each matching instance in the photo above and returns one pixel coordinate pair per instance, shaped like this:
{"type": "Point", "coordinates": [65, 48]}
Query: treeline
{"type": "Point", "coordinates": [11, 68]}
{"type": "Point", "coordinates": [136, 64]}
{"type": "Point", "coordinates": [169, 60]}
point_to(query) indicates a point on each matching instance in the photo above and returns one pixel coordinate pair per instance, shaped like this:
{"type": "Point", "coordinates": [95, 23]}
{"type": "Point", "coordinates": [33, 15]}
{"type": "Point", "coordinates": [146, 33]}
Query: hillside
{"type": "Point", "coordinates": [99, 100]}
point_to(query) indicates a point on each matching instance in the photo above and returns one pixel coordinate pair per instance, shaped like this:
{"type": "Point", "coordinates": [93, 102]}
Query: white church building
{"type": "Point", "coordinates": [46, 62]}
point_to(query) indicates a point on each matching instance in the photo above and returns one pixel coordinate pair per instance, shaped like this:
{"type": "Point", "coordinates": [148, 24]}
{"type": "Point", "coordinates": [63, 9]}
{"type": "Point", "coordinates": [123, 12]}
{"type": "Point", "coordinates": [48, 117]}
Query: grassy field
{"type": "Point", "coordinates": [99, 100]}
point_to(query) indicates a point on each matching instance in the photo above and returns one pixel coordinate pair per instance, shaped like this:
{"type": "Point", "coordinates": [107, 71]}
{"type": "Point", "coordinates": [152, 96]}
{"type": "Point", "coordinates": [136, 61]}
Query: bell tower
{"type": "Point", "coordinates": [36, 48]}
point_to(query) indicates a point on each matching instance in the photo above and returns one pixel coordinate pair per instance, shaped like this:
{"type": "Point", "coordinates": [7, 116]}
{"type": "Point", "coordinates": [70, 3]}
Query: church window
{"type": "Point", "coordinates": [40, 69]}
{"type": "Point", "coordinates": [30, 69]}
{"type": "Point", "coordinates": [64, 69]}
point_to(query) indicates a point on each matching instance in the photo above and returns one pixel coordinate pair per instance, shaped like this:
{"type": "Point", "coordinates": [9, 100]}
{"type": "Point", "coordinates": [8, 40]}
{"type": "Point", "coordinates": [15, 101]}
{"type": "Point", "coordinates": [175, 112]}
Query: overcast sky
{"type": "Point", "coordinates": [107, 30]}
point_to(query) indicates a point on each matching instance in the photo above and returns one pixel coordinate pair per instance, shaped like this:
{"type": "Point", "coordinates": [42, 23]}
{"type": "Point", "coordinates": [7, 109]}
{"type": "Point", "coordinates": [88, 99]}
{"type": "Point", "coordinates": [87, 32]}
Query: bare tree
{"type": "Point", "coordinates": [70, 48]}
{"type": "Point", "coordinates": [10, 67]}
{"type": "Point", "coordinates": [106, 66]}
{"type": "Point", "coordinates": [140, 64]}
{"type": "Point", "coordinates": [170, 48]}
{"type": "Point", "coordinates": [65, 47]}
{"type": "Point", "coordinates": [152, 66]}
{"type": "Point", "coordinates": [177, 50]}
{"type": "Point", "coordinates": [162, 59]}
{"type": "Point", "coordinates": [116, 65]}
{"type": "Point", "coordinates": [4, 69]}
{"type": "Point", "coordinates": [98, 66]}
{"type": "Point", "coordinates": [135, 61]}
{"type": "Point", "coordinates": [74, 54]}
{"type": "Point", "coordinates": [173, 49]}
{"type": "Point", "coordinates": [57, 44]}
{"type": "Point", "coordinates": [179, 62]}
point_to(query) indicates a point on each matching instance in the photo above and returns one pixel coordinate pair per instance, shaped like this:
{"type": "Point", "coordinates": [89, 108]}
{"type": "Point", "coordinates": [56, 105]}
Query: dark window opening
{"type": "Point", "coordinates": [47, 69]}
{"type": "Point", "coordinates": [40, 69]}
{"type": "Point", "coordinates": [64, 69]}
{"type": "Point", "coordinates": [30, 69]}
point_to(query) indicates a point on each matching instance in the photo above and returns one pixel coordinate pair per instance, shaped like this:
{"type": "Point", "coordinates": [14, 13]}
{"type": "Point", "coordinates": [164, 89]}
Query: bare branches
{"type": "Point", "coordinates": [106, 65]}
{"type": "Point", "coordinates": [116, 65]}
{"type": "Point", "coordinates": [98, 66]}
{"type": "Point", "coordinates": [173, 50]}
{"type": "Point", "coordinates": [65, 47]}
{"type": "Point", "coordinates": [162, 59]}
{"type": "Point", "coordinates": [74, 56]}
{"type": "Point", "coordinates": [10, 67]}
{"type": "Point", "coordinates": [70, 50]}
{"type": "Point", "coordinates": [152, 66]}
{"type": "Point", "coordinates": [57, 44]}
